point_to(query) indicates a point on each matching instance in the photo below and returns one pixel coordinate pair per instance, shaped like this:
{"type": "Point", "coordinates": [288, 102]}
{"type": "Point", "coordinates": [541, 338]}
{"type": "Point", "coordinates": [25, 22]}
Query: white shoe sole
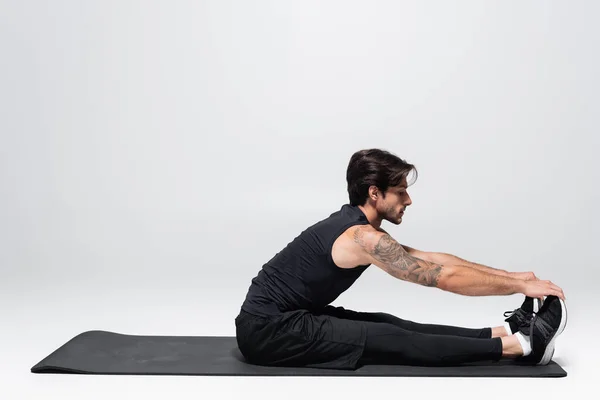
{"type": "Point", "coordinates": [549, 352]}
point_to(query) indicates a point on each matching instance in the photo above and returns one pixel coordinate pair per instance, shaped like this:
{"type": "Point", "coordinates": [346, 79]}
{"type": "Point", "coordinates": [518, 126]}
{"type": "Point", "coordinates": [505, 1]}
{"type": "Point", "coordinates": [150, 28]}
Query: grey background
{"type": "Point", "coordinates": [154, 154]}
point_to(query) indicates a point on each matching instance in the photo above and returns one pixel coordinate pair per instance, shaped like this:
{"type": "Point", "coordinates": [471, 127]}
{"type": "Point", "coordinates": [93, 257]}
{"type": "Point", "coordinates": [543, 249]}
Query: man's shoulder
{"type": "Point", "coordinates": [361, 232]}
{"type": "Point", "coordinates": [350, 248]}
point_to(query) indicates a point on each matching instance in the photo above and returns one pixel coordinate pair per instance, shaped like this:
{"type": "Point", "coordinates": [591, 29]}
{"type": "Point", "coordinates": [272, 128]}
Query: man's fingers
{"type": "Point", "coordinates": [549, 289]}
{"type": "Point", "coordinates": [550, 284]}
{"type": "Point", "coordinates": [558, 289]}
{"type": "Point", "coordinates": [558, 293]}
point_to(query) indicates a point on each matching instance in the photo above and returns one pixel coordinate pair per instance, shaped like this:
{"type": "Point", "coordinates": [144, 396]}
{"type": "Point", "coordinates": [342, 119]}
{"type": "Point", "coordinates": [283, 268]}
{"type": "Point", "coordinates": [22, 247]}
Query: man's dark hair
{"type": "Point", "coordinates": [374, 167]}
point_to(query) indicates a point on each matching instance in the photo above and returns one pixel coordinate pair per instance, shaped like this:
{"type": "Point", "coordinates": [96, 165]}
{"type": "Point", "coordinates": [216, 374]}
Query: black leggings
{"type": "Point", "coordinates": [336, 337]}
{"type": "Point", "coordinates": [392, 340]}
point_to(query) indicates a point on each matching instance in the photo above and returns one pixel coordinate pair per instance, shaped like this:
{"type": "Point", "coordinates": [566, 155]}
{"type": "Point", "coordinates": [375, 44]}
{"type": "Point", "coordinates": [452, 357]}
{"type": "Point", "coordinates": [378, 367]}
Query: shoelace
{"type": "Point", "coordinates": [521, 316]}
{"type": "Point", "coordinates": [509, 313]}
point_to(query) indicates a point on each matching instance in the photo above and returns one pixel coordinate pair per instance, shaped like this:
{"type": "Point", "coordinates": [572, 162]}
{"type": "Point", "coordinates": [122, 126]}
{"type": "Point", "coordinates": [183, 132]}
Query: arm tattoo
{"type": "Point", "coordinates": [398, 263]}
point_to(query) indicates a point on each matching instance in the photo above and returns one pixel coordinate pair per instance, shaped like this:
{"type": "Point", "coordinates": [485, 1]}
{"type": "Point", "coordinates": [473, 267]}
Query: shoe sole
{"type": "Point", "coordinates": [549, 351]}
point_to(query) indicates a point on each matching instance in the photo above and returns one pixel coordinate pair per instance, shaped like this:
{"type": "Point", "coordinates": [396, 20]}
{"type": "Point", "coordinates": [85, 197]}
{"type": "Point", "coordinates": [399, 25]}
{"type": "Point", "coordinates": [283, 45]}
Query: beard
{"type": "Point", "coordinates": [393, 215]}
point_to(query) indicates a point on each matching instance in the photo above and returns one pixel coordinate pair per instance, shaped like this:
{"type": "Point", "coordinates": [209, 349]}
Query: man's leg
{"type": "Point", "coordinates": [302, 338]}
{"type": "Point", "coordinates": [391, 344]}
{"type": "Point", "coordinates": [433, 329]}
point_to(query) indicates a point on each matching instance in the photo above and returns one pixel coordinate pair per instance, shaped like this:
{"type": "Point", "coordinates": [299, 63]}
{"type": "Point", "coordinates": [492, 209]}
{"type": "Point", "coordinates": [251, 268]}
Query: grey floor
{"type": "Point", "coordinates": [42, 316]}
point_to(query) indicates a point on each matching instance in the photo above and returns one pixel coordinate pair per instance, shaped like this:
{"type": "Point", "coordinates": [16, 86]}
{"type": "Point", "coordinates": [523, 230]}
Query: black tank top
{"type": "Point", "coordinates": [303, 274]}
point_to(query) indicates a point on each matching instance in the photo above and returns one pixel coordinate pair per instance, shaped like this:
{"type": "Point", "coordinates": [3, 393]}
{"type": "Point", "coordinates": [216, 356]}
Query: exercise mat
{"type": "Point", "coordinates": [110, 353]}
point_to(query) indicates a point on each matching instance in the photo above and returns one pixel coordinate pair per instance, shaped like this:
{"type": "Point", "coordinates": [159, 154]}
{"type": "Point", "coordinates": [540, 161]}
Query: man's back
{"type": "Point", "coordinates": [303, 275]}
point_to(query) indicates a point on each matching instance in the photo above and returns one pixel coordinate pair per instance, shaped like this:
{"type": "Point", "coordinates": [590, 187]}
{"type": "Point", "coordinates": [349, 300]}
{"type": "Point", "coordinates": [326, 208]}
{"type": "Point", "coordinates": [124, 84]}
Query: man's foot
{"type": "Point", "coordinates": [520, 319]}
{"type": "Point", "coordinates": [546, 325]}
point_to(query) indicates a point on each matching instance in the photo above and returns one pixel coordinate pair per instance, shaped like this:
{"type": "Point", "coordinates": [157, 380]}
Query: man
{"type": "Point", "coordinates": [286, 318]}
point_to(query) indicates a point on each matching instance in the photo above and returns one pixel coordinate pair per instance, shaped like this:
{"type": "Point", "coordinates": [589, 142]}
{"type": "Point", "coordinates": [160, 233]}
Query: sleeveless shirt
{"type": "Point", "coordinates": [303, 275]}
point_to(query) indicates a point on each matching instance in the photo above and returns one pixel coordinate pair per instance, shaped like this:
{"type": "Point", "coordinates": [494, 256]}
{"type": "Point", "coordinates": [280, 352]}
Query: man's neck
{"type": "Point", "coordinates": [372, 216]}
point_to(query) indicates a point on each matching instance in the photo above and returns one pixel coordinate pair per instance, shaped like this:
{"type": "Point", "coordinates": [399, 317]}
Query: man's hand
{"type": "Point", "coordinates": [539, 289]}
{"type": "Point", "coordinates": [524, 276]}
{"type": "Point", "coordinates": [536, 288]}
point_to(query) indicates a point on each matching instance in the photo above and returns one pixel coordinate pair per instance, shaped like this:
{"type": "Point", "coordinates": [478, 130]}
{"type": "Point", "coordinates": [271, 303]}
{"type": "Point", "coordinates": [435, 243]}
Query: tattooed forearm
{"type": "Point", "coordinates": [397, 262]}
{"type": "Point", "coordinates": [403, 265]}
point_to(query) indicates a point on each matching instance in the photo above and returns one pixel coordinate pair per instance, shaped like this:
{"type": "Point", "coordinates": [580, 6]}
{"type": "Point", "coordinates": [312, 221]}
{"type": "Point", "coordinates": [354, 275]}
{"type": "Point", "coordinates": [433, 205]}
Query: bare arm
{"type": "Point", "coordinates": [385, 252]}
{"type": "Point", "coordinates": [445, 258]}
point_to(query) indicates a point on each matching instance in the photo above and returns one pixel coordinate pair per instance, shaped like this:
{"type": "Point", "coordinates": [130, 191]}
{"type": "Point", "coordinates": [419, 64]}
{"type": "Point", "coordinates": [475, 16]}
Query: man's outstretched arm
{"type": "Point", "coordinates": [445, 258]}
{"type": "Point", "coordinates": [383, 251]}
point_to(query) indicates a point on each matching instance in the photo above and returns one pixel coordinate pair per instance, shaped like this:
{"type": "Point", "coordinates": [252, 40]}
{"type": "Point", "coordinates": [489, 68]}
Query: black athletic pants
{"type": "Point", "coordinates": [336, 337]}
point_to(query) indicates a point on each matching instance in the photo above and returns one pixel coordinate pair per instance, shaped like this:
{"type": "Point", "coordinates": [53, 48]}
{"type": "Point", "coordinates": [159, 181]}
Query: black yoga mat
{"type": "Point", "coordinates": [109, 353]}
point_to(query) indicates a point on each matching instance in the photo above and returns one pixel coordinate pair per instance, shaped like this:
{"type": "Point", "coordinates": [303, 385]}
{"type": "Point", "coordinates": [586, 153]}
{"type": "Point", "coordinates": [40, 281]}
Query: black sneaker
{"type": "Point", "coordinates": [520, 319]}
{"type": "Point", "coordinates": [546, 325]}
